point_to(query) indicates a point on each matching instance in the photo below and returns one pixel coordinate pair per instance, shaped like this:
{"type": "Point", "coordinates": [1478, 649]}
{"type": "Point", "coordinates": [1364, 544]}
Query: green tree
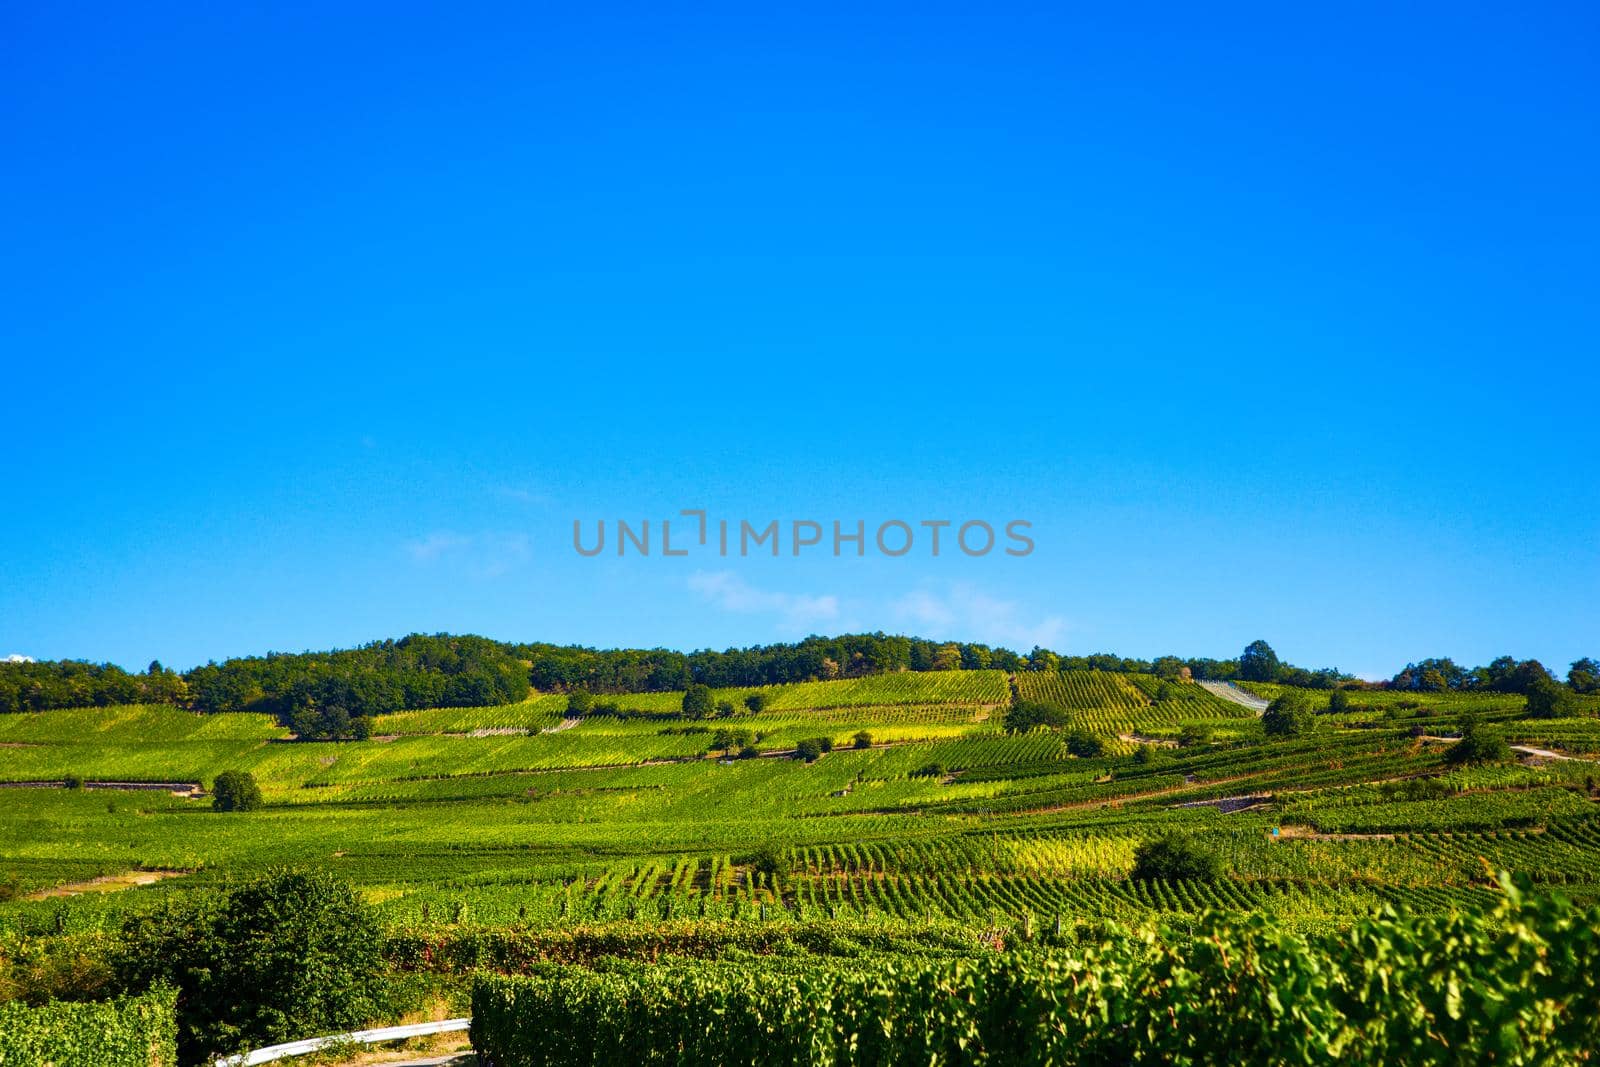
{"type": "Point", "coordinates": [1338, 701]}
{"type": "Point", "coordinates": [277, 958]}
{"type": "Point", "coordinates": [862, 739]}
{"type": "Point", "coordinates": [1548, 699]}
{"type": "Point", "coordinates": [235, 791]}
{"type": "Point", "coordinates": [772, 863]}
{"type": "Point", "coordinates": [1175, 857]}
{"type": "Point", "coordinates": [1258, 663]}
{"type": "Point", "coordinates": [579, 701]}
{"type": "Point", "coordinates": [1026, 715]}
{"type": "Point", "coordinates": [1085, 745]}
{"type": "Point", "coordinates": [809, 750]}
{"type": "Point", "coordinates": [1478, 744]}
{"type": "Point", "coordinates": [1584, 676]}
{"type": "Point", "coordinates": [697, 701]}
{"type": "Point", "coordinates": [361, 728]}
{"type": "Point", "coordinates": [1289, 715]}
{"type": "Point", "coordinates": [755, 702]}
{"type": "Point", "coordinates": [1194, 734]}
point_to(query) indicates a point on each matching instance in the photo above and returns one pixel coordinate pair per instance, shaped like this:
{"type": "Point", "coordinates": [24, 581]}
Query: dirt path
{"type": "Point", "coordinates": [107, 883]}
{"type": "Point", "coordinates": [1229, 691]}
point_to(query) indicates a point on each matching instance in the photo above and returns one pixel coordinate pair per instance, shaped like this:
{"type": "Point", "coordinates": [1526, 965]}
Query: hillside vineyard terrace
{"type": "Point", "coordinates": [696, 533]}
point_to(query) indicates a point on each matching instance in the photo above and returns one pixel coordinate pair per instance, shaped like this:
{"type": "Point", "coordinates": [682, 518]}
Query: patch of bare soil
{"type": "Point", "coordinates": [106, 883]}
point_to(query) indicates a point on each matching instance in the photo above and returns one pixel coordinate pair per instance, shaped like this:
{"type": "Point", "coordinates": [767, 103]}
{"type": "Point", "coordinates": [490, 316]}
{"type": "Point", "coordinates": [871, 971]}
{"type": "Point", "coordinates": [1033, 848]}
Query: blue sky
{"type": "Point", "coordinates": [322, 324]}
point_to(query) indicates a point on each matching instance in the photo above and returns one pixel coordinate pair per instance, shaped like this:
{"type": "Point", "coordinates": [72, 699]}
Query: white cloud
{"type": "Point", "coordinates": [797, 612]}
{"type": "Point", "coordinates": [962, 612]}
{"type": "Point", "coordinates": [17, 657]}
{"type": "Point", "coordinates": [486, 555]}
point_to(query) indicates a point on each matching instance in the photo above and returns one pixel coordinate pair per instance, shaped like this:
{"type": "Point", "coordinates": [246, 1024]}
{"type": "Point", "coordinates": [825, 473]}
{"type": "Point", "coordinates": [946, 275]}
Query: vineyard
{"type": "Point", "coordinates": [917, 825]}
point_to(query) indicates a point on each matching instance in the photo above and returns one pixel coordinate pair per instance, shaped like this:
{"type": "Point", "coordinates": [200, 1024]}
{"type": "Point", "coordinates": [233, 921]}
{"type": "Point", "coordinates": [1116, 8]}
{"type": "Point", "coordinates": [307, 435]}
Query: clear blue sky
{"type": "Point", "coordinates": [322, 324]}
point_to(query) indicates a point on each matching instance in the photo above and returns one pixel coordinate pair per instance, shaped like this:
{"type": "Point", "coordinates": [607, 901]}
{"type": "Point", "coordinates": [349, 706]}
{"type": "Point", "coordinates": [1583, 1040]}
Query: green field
{"type": "Point", "coordinates": [942, 830]}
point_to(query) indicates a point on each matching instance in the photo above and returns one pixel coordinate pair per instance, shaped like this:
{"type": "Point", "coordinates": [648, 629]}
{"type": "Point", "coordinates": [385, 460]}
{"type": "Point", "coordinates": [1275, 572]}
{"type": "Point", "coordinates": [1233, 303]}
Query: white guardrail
{"type": "Point", "coordinates": [358, 1037]}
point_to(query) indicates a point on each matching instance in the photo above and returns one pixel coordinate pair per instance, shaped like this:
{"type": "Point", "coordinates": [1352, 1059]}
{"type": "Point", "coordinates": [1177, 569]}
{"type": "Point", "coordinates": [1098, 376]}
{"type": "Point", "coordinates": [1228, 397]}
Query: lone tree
{"type": "Point", "coordinates": [756, 702]}
{"type": "Point", "coordinates": [1338, 700]}
{"type": "Point", "coordinates": [235, 791]}
{"type": "Point", "coordinates": [1175, 857]}
{"type": "Point", "coordinates": [1259, 663]}
{"type": "Point", "coordinates": [1549, 699]}
{"type": "Point", "coordinates": [579, 701]}
{"type": "Point", "coordinates": [697, 702]}
{"type": "Point", "coordinates": [1289, 715]}
{"type": "Point", "coordinates": [1478, 744]}
{"type": "Point", "coordinates": [862, 739]}
{"type": "Point", "coordinates": [1084, 745]}
{"type": "Point", "coordinates": [1025, 715]}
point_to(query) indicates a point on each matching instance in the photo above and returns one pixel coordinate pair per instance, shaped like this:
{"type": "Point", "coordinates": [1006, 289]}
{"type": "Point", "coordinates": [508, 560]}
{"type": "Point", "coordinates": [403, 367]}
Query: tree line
{"type": "Point", "coordinates": [336, 694]}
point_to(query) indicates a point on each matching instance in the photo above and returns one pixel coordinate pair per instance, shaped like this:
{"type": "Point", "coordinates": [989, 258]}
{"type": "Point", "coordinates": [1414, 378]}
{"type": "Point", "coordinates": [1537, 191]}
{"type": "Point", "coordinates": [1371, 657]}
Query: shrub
{"type": "Point", "coordinates": [697, 701]}
{"type": "Point", "coordinates": [1175, 857]}
{"type": "Point", "coordinates": [287, 955]}
{"type": "Point", "coordinates": [1288, 716]}
{"type": "Point", "coordinates": [809, 750]}
{"type": "Point", "coordinates": [1026, 715]}
{"type": "Point", "coordinates": [1194, 734]}
{"type": "Point", "coordinates": [770, 862]}
{"type": "Point", "coordinates": [1478, 744]}
{"type": "Point", "coordinates": [749, 752]}
{"type": "Point", "coordinates": [136, 1031]}
{"type": "Point", "coordinates": [756, 702]}
{"type": "Point", "coordinates": [1083, 744]}
{"type": "Point", "coordinates": [361, 728]}
{"type": "Point", "coordinates": [235, 791]}
{"type": "Point", "coordinates": [929, 770]}
{"type": "Point", "coordinates": [73, 781]}
{"type": "Point", "coordinates": [862, 739]}
{"type": "Point", "coordinates": [579, 701]}
{"type": "Point", "coordinates": [1338, 701]}
{"type": "Point", "coordinates": [1549, 700]}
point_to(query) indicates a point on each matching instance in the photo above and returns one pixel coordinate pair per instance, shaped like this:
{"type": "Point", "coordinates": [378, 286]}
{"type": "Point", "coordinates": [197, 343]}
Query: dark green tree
{"type": "Point", "coordinates": [809, 750]}
{"type": "Point", "coordinates": [579, 701]}
{"type": "Point", "coordinates": [1083, 744]}
{"type": "Point", "coordinates": [1175, 857]}
{"type": "Point", "coordinates": [1584, 676]}
{"type": "Point", "coordinates": [1548, 699]}
{"type": "Point", "coordinates": [756, 702]}
{"type": "Point", "coordinates": [862, 739]}
{"type": "Point", "coordinates": [235, 791]}
{"type": "Point", "coordinates": [1338, 700]}
{"type": "Point", "coordinates": [1026, 715]}
{"type": "Point", "coordinates": [698, 702]}
{"type": "Point", "coordinates": [1289, 715]}
{"type": "Point", "coordinates": [1478, 744]}
{"type": "Point", "coordinates": [1258, 663]}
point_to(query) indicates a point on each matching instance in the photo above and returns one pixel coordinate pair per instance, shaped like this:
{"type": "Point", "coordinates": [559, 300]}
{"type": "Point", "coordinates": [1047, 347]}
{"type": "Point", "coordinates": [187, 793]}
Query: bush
{"type": "Point", "coordinates": [235, 791]}
{"type": "Point", "coordinates": [361, 728]}
{"type": "Point", "coordinates": [137, 1031]}
{"type": "Point", "coordinates": [1478, 744]}
{"type": "Point", "coordinates": [1194, 734]}
{"type": "Point", "coordinates": [1288, 716]}
{"type": "Point", "coordinates": [770, 862]}
{"type": "Point", "coordinates": [862, 740]}
{"type": "Point", "coordinates": [809, 750]}
{"type": "Point", "coordinates": [285, 956]}
{"type": "Point", "coordinates": [1085, 745]}
{"type": "Point", "coordinates": [1026, 715]}
{"type": "Point", "coordinates": [929, 770]}
{"type": "Point", "coordinates": [725, 708]}
{"type": "Point", "coordinates": [1175, 857]}
{"type": "Point", "coordinates": [579, 701]}
{"type": "Point", "coordinates": [1549, 700]}
{"type": "Point", "coordinates": [1338, 701]}
{"type": "Point", "coordinates": [697, 702]}
{"type": "Point", "coordinates": [756, 702]}
{"type": "Point", "coordinates": [749, 752]}
{"type": "Point", "coordinates": [73, 781]}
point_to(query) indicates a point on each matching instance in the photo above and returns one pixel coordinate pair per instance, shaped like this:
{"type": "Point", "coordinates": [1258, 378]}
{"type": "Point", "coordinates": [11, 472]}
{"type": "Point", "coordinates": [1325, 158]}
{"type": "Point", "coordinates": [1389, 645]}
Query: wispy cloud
{"type": "Point", "coordinates": [962, 611]}
{"type": "Point", "coordinates": [795, 612]}
{"type": "Point", "coordinates": [485, 555]}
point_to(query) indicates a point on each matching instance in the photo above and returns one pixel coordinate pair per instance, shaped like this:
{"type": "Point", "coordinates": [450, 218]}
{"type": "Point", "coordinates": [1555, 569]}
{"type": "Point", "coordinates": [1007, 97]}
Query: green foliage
{"type": "Point", "coordinates": [1289, 715]}
{"type": "Point", "coordinates": [287, 955]}
{"type": "Point", "coordinates": [1549, 699]}
{"type": "Point", "coordinates": [698, 702]}
{"type": "Point", "coordinates": [1085, 745]}
{"type": "Point", "coordinates": [235, 791]}
{"type": "Point", "coordinates": [755, 702]}
{"type": "Point", "coordinates": [1194, 734]}
{"type": "Point", "coordinates": [1259, 663]}
{"type": "Point", "coordinates": [809, 750]}
{"type": "Point", "coordinates": [1478, 744]}
{"type": "Point", "coordinates": [1175, 857]}
{"type": "Point", "coordinates": [770, 863]}
{"type": "Point", "coordinates": [135, 1031]}
{"type": "Point", "coordinates": [1338, 701]}
{"type": "Point", "coordinates": [862, 739]}
{"type": "Point", "coordinates": [1027, 715]}
{"type": "Point", "coordinates": [1516, 987]}
{"type": "Point", "coordinates": [579, 701]}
